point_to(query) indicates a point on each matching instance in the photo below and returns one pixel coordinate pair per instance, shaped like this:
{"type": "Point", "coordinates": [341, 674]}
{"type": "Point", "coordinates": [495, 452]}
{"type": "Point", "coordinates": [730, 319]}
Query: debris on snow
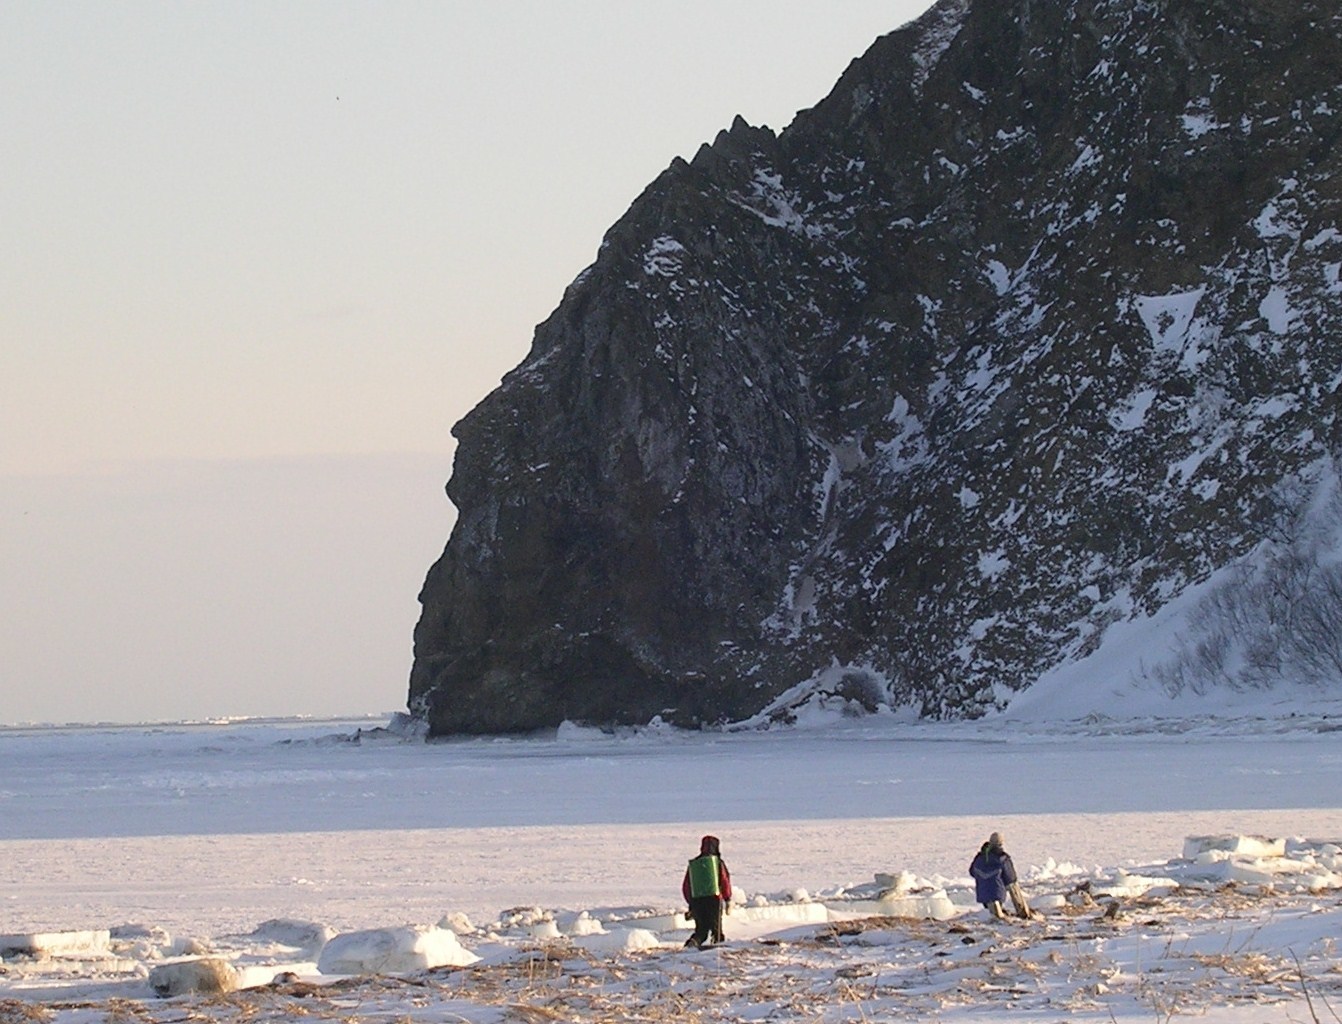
{"type": "Point", "coordinates": [1109, 942]}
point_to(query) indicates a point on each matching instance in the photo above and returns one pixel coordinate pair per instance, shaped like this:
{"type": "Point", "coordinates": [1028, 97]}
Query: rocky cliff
{"type": "Point", "coordinates": [1017, 333]}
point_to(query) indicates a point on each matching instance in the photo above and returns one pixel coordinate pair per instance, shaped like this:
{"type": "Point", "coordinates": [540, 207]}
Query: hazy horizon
{"type": "Point", "coordinates": [247, 236]}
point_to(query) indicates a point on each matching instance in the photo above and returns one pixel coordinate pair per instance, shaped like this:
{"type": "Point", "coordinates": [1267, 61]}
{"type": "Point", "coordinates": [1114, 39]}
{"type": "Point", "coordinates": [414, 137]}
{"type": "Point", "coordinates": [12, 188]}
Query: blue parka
{"type": "Point", "coordinates": [993, 872]}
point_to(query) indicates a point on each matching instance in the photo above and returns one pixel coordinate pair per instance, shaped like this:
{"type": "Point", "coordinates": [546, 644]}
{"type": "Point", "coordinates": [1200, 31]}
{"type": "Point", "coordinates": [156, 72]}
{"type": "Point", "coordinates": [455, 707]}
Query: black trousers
{"type": "Point", "coordinates": [707, 911]}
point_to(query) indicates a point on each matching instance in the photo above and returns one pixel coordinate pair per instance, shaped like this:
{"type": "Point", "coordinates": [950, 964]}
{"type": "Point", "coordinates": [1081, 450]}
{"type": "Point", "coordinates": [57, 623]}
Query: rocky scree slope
{"type": "Point", "coordinates": [1024, 328]}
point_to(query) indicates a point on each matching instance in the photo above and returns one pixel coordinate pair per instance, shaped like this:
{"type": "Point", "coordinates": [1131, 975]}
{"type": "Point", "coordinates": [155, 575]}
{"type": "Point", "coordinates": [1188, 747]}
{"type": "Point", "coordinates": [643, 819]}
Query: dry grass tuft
{"type": "Point", "coordinates": [14, 1011]}
{"type": "Point", "coordinates": [125, 1011]}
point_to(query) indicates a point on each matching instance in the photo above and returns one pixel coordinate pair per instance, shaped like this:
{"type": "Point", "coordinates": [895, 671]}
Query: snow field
{"type": "Point", "coordinates": [202, 886]}
{"type": "Point", "coordinates": [1219, 925]}
{"type": "Point", "coordinates": [1187, 867]}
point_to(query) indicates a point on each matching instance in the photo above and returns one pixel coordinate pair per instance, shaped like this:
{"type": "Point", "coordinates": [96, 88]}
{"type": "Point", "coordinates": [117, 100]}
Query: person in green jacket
{"type": "Point", "coordinates": [707, 889]}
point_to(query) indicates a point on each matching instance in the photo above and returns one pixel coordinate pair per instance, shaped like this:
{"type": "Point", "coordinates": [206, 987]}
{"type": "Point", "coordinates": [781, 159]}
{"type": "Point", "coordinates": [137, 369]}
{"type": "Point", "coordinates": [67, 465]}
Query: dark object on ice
{"type": "Point", "coordinates": [707, 888]}
{"type": "Point", "coordinates": [1081, 895]}
{"type": "Point", "coordinates": [1029, 325]}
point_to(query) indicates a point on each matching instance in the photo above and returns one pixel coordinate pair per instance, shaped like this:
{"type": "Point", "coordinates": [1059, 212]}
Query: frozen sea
{"type": "Point", "coordinates": [210, 829]}
{"type": "Point", "coordinates": [345, 775]}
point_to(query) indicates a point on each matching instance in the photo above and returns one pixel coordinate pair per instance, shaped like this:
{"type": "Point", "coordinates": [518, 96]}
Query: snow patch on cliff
{"type": "Point", "coordinates": [940, 27]}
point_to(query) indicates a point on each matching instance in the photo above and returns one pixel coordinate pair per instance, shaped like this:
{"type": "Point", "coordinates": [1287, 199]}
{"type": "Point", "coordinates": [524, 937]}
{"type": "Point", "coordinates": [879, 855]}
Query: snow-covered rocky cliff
{"type": "Point", "coordinates": [1032, 324]}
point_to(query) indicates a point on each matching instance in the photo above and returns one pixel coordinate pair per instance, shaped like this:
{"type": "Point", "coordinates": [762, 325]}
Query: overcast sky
{"type": "Point", "coordinates": [258, 258]}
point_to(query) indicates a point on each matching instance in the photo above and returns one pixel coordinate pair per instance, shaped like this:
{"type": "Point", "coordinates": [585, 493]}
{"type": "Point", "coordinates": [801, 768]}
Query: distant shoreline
{"type": "Point", "coordinates": [199, 723]}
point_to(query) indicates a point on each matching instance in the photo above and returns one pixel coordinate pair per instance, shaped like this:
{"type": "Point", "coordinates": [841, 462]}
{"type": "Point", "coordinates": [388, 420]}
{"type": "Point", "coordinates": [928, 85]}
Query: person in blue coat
{"type": "Point", "coordinates": [995, 879]}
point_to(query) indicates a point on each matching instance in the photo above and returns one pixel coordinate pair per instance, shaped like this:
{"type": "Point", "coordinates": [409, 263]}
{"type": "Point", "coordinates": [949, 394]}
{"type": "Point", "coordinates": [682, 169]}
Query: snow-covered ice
{"type": "Point", "coordinates": [1178, 865]}
{"type": "Point", "coordinates": [199, 976]}
{"type": "Point", "coordinates": [393, 950]}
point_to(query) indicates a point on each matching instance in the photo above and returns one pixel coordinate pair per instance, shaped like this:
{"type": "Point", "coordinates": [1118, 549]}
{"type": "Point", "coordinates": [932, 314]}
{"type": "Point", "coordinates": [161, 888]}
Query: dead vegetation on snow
{"type": "Point", "coordinates": [1158, 956]}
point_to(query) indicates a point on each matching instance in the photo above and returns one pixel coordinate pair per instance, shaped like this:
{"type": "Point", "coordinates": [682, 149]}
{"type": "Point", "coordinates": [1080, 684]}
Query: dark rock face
{"type": "Point", "coordinates": [1013, 335]}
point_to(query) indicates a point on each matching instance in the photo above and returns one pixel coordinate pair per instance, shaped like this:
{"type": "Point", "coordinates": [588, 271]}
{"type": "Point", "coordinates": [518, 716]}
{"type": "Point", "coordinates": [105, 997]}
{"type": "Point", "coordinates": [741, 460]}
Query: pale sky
{"type": "Point", "coordinates": [258, 257]}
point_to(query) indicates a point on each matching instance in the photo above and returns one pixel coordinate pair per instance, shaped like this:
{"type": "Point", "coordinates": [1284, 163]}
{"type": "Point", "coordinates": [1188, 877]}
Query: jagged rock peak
{"type": "Point", "coordinates": [1025, 328]}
